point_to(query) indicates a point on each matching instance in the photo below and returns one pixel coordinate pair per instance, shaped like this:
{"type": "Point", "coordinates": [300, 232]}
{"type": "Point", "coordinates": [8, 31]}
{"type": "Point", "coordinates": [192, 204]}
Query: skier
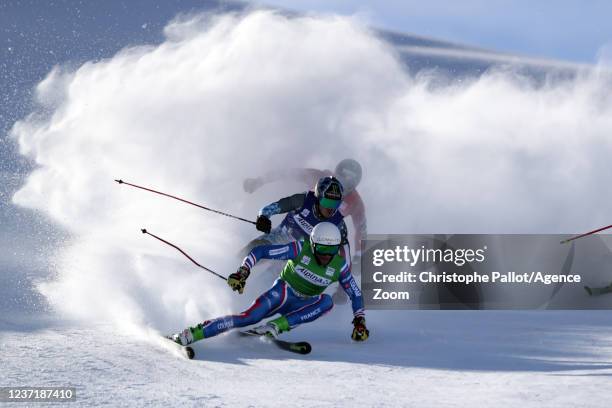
{"type": "Point", "coordinates": [297, 295]}
{"type": "Point", "coordinates": [304, 211]}
{"type": "Point", "coordinates": [598, 291]}
{"type": "Point", "coordinates": [348, 172]}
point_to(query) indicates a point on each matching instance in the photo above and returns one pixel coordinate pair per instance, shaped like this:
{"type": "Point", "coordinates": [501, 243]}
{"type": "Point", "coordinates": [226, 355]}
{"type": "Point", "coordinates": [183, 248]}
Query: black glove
{"type": "Point", "coordinates": [263, 224]}
{"type": "Point", "coordinates": [360, 331]}
{"type": "Point", "coordinates": [237, 280]}
{"type": "Point", "coordinates": [252, 184]}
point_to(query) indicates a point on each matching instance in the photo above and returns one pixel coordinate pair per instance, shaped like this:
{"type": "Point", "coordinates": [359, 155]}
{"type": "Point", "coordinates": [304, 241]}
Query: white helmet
{"type": "Point", "coordinates": [325, 239]}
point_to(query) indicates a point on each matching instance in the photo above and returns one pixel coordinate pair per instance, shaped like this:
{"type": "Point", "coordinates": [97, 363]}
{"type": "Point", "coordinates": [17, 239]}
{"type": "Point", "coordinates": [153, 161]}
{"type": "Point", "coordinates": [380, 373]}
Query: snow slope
{"type": "Point", "coordinates": [451, 359]}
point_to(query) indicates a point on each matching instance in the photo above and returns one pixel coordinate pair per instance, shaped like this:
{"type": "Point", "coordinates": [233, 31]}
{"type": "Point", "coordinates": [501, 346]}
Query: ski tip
{"type": "Point", "coordinates": [589, 291]}
{"type": "Point", "coordinates": [143, 230]}
{"type": "Point", "coordinates": [119, 181]}
{"type": "Point", "coordinates": [185, 351]}
{"type": "Point", "coordinates": [300, 347]}
{"type": "Point", "coordinates": [303, 348]}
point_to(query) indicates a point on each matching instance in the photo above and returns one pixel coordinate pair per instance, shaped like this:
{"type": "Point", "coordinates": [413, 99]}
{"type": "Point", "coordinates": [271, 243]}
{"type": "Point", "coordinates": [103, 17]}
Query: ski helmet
{"type": "Point", "coordinates": [329, 192]}
{"type": "Point", "coordinates": [325, 239]}
{"type": "Point", "coordinates": [348, 172]}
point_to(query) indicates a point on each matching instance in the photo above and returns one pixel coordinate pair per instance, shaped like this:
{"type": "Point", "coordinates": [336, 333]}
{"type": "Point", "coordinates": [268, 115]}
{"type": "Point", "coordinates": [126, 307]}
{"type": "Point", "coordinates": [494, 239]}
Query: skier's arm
{"type": "Point", "coordinates": [360, 331]}
{"type": "Point", "coordinates": [306, 176]}
{"type": "Point", "coordinates": [283, 205]}
{"type": "Point", "coordinates": [351, 288]}
{"type": "Point", "coordinates": [283, 252]}
{"type": "Point", "coordinates": [237, 280]}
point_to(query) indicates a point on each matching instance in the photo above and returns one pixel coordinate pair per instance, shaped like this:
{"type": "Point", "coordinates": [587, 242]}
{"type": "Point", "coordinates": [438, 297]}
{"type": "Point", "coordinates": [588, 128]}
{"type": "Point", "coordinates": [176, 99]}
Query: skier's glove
{"type": "Point", "coordinates": [252, 184]}
{"type": "Point", "coordinates": [263, 224]}
{"type": "Point", "coordinates": [237, 280]}
{"type": "Point", "coordinates": [360, 332]}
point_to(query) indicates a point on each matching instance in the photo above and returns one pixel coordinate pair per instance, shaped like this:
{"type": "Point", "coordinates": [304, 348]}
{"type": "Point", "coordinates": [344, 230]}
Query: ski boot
{"type": "Point", "coordinates": [189, 335]}
{"type": "Point", "coordinates": [273, 328]}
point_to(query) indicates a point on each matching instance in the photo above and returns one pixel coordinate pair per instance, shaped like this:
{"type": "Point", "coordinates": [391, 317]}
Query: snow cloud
{"type": "Point", "coordinates": [231, 96]}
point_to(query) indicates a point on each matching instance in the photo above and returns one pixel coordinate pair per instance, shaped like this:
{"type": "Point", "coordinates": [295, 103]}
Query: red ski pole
{"type": "Point", "coordinates": [144, 231]}
{"type": "Point", "coordinates": [585, 234]}
{"type": "Point", "coordinates": [186, 201]}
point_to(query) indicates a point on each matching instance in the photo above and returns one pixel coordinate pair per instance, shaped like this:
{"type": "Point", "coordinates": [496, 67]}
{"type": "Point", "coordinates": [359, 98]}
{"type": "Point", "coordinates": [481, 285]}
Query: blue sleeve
{"type": "Point", "coordinates": [270, 210]}
{"type": "Point", "coordinates": [284, 205]}
{"type": "Point", "coordinates": [285, 251]}
{"type": "Point", "coordinates": [351, 288]}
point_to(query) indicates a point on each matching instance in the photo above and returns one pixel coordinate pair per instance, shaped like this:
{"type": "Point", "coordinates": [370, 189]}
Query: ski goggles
{"type": "Point", "coordinates": [326, 249]}
{"type": "Point", "coordinates": [330, 203]}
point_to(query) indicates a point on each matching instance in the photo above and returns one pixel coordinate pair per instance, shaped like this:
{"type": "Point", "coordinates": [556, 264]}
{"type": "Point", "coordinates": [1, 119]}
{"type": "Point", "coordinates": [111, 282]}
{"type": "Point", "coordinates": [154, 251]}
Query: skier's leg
{"type": "Point", "coordinates": [260, 240]}
{"type": "Point", "coordinates": [278, 235]}
{"type": "Point", "coordinates": [305, 314]}
{"type": "Point", "coordinates": [271, 300]}
{"type": "Point", "coordinates": [263, 306]}
{"type": "Point", "coordinates": [302, 310]}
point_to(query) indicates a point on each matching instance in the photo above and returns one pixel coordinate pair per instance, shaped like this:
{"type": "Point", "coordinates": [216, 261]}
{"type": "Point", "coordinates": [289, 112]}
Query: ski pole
{"type": "Point", "coordinates": [144, 231]}
{"type": "Point", "coordinates": [186, 201]}
{"type": "Point", "coordinates": [585, 234]}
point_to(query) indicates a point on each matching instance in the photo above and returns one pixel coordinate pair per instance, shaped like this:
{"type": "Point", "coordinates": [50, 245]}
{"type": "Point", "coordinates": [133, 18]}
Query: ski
{"type": "Point", "coordinates": [299, 347]}
{"type": "Point", "coordinates": [598, 291]}
{"type": "Point", "coordinates": [187, 351]}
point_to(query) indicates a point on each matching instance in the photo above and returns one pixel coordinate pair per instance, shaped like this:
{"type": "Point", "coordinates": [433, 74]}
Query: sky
{"type": "Point", "coordinates": [571, 30]}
